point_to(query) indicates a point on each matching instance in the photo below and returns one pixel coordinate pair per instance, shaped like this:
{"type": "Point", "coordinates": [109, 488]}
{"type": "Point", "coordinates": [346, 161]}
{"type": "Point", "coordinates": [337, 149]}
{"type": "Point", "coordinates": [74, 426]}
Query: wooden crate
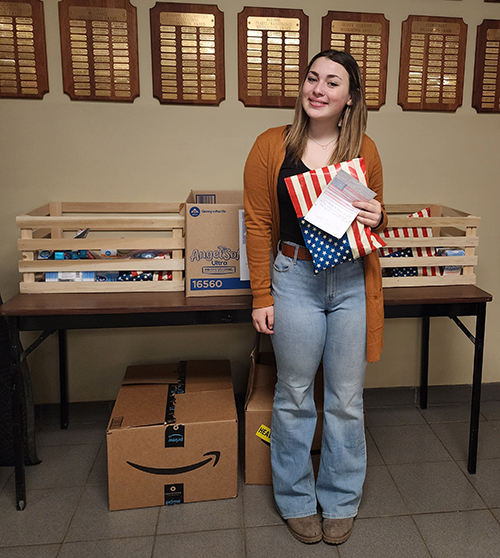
{"type": "Point", "coordinates": [450, 229]}
{"type": "Point", "coordinates": [113, 226]}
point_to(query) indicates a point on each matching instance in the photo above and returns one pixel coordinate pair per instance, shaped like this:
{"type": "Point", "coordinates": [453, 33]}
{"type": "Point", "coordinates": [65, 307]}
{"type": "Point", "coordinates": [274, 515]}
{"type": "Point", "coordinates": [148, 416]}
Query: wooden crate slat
{"type": "Point", "coordinates": [27, 255]}
{"type": "Point", "coordinates": [113, 223]}
{"type": "Point", "coordinates": [94, 287]}
{"type": "Point", "coordinates": [469, 251]}
{"type": "Point", "coordinates": [120, 207]}
{"type": "Point", "coordinates": [55, 208]}
{"type": "Point", "coordinates": [428, 281]}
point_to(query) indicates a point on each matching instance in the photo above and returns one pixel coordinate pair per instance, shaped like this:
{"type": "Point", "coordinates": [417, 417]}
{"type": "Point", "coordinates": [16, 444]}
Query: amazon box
{"type": "Point", "coordinates": [172, 437]}
{"type": "Point", "coordinates": [258, 413]}
{"type": "Point", "coordinates": [215, 244]}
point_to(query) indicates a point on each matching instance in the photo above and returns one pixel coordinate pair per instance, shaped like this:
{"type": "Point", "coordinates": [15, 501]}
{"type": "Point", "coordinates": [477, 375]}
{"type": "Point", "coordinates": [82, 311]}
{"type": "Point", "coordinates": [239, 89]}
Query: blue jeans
{"type": "Point", "coordinates": [318, 317]}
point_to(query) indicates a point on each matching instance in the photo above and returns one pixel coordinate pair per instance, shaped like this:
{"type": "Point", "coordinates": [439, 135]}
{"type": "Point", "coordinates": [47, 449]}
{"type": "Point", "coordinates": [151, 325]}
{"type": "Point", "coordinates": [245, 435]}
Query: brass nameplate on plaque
{"type": "Point", "coordinates": [185, 46]}
{"type": "Point", "coordinates": [15, 9]}
{"type": "Point", "coordinates": [493, 35]}
{"type": "Point", "coordinates": [356, 27]}
{"type": "Point", "coordinates": [23, 59]}
{"type": "Point", "coordinates": [274, 23]}
{"type": "Point", "coordinates": [435, 27]}
{"type": "Point", "coordinates": [97, 14]}
{"type": "Point", "coordinates": [187, 19]}
{"type": "Point", "coordinates": [365, 37]}
{"type": "Point", "coordinates": [99, 40]}
{"type": "Point", "coordinates": [486, 88]}
{"type": "Point", "coordinates": [433, 56]}
{"type": "Point", "coordinates": [272, 46]}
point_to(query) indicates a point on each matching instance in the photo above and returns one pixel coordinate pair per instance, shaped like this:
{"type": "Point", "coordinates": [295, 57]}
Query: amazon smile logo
{"type": "Point", "coordinates": [214, 455]}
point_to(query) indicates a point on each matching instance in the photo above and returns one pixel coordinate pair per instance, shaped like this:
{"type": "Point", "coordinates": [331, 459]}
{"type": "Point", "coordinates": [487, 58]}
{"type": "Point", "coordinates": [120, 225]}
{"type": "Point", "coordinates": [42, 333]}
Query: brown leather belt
{"type": "Point", "coordinates": [289, 251]}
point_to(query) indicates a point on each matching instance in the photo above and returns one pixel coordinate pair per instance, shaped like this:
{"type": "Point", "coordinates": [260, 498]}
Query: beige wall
{"type": "Point", "coordinates": [58, 149]}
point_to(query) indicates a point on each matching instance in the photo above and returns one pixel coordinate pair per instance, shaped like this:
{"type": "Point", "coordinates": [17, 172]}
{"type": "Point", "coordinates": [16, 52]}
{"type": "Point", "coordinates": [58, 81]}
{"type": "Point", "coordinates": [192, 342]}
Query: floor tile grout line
{"type": "Point", "coordinates": [87, 540]}
{"type": "Point", "coordinates": [443, 512]}
{"type": "Point", "coordinates": [82, 490]}
{"type": "Point", "coordinates": [421, 536]}
{"type": "Point", "coordinates": [468, 476]}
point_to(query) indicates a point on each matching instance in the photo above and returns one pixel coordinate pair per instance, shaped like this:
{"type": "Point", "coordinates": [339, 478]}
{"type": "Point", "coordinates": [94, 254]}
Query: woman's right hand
{"type": "Point", "coordinates": [263, 319]}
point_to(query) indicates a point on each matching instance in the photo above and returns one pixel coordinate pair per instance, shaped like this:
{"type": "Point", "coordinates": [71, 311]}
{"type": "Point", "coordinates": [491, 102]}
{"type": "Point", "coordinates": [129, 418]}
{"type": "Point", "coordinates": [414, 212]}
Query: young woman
{"type": "Point", "coordinates": [335, 316]}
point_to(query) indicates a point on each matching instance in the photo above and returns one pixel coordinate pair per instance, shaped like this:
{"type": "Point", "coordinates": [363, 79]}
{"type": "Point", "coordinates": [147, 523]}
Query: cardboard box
{"type": "Point", "coordinates": [258, 412]}
{"type": "Point", "coordinates": [172, 437]}
{"type": "Point", "coordinates": [215, 255]}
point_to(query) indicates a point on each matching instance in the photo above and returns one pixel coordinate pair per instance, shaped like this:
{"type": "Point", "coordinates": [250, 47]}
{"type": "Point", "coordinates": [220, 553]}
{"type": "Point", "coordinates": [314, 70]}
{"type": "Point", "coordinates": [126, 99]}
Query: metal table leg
{"type": "Point", "coordinates": [424, 361]}
{"type": "Point", "coordinates": [63, 379]}
{"type": "Point", "coordinates": [18, 427]}
{"type": "Point", "coordinates": [476, 387]}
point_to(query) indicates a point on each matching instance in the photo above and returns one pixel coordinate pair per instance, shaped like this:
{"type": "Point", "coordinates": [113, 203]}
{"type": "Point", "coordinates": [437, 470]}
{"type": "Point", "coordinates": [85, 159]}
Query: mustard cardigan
{"type": "Point", "coordinates": [263, 227]}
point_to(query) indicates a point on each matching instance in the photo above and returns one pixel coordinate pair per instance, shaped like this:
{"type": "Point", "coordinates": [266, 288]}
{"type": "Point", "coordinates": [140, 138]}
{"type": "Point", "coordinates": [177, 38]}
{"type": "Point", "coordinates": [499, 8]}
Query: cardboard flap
{"type": "Point", "coordinates": [144, 395]}
{"type": "Point", "coordinates": [205, 408]}
{"type": "Point", "coordinates": [208, 375]}
{"type": "Point", "coordinates": [219, 197]}
{"type": "Point", "coordinates": [140, 405]}
{"type": "Point", "coordinates": [251, 373]}
{"type": "Point", "coordinates": [262, 369]}
{"type": "Point", "coordinates": [151, 374]}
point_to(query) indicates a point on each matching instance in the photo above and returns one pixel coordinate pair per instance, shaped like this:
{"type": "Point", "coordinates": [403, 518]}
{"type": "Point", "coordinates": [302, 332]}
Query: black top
{"type": "Point", "coordinates": [289, 223]}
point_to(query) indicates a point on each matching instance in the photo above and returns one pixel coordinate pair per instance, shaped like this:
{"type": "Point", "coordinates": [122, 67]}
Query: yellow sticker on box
{"type": "Point", "coordinates": [264, 433]}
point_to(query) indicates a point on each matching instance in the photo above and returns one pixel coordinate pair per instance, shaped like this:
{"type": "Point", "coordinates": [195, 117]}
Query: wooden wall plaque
{"type": "Point", "coordinates": [272, 53]}
{"type": "Point", "coordinates": [99, 50]}
{"type": "Point", "coordinates": [431, 72]}
{"type": "Point", "coordinates": [23, 52]}
{"type": "Point", "coordinates": [366, 38]}
{"type": "Point", "coordinates": [486, 91]}
{"type": "Point", "coordinates": [187, 42]}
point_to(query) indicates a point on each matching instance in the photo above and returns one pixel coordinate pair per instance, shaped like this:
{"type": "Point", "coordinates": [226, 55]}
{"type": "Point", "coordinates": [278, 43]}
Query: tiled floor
{"type": "Point", "coordinates": [418, 502]}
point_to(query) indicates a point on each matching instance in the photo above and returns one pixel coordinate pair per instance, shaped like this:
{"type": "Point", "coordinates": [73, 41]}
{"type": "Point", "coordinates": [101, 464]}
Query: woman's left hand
{"type": "Point", "coordinates": [370, 214]}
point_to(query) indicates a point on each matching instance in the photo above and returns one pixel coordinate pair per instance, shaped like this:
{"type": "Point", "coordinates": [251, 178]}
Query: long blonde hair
{"type": "Point", "coordinates": [352, 123]}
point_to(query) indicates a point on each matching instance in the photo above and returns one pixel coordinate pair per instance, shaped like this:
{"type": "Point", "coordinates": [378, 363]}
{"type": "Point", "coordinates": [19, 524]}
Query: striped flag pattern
{"type": "Point", "coordinates": [413, 232]}
{"type": "Point", "coordinates": [304, 189]}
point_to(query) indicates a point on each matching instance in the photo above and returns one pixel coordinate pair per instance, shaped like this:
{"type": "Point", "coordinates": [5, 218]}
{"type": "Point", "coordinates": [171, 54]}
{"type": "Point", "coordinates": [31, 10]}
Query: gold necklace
{"type": "Point", "coordinates": [323, 147]}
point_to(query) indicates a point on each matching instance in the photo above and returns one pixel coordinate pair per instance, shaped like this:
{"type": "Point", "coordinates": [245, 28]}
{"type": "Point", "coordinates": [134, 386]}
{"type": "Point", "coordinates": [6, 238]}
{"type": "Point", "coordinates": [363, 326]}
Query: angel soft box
{"type": "Point", "coordinates": [215, 243]}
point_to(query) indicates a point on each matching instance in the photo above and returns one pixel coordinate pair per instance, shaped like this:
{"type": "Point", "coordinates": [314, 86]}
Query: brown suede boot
{"type": "Point", "coordinates": [337, 531]}
{"type": "Point", "coordinates": [305, 529]}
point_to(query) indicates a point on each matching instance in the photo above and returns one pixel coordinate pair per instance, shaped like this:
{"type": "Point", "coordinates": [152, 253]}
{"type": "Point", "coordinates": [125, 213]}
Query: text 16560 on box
{"type": "Point", "coordinates": [215, 244]}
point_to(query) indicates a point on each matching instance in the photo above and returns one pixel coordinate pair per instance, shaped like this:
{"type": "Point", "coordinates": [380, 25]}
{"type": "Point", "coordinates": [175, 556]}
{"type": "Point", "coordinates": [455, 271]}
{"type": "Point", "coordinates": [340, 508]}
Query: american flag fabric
{"type": "Point", "coordinates": [403, 271]}
{"type": "Point", "coordinates": [326, 249]}
{"type": "Point", "coordinates": [412, 232]}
